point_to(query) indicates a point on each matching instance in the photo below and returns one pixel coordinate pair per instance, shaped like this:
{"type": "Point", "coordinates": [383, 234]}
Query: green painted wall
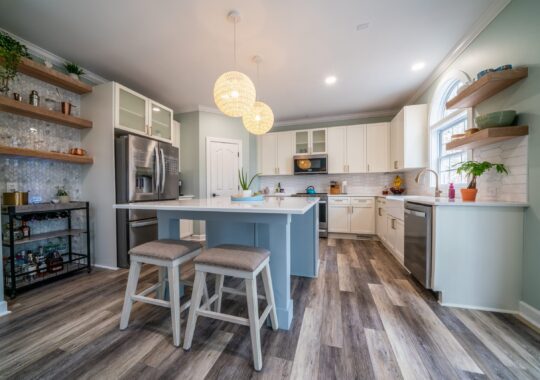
{"type": "Point", "coordinates": [327, 124]}
{"type": "Point", "coordinates": [513, 38]}
{"type": "Point", "coordinates": [189, 151]}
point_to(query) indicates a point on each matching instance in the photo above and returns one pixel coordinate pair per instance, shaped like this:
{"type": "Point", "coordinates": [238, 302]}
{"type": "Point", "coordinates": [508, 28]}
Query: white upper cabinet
{"type": "Point", "coordinates": [377, 147]}
{"type": "Point", "coordinates": [311, 141]}
{"type": "Point", "coordinates": [409, 138]}
{"type": "Point", "coordinates": [138, 114]}
{"type": "Point", "coordinates": [337, 138]}
{"type": "Point", "coordinates": [356, 149]}
{"type": "Point", "coordinates": [276, 152]}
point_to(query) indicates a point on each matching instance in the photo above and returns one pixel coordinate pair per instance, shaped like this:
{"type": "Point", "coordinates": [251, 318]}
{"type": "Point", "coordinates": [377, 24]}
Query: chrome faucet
{"type": "Point", "coordinates": [438, 192]}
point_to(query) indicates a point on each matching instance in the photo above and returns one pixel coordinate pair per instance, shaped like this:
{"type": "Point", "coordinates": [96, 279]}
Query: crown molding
{"type": "Point", "coordinates": [326, 119]}
{"type": "Point", "coordinates": [487, 17]}
{"type": "Point", "coordinates": [56, 60]}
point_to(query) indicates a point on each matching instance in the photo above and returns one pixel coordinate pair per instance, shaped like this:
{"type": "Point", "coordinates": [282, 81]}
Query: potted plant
{"type": "Point", "coordinates": [73, 70]}
{"type": "Point", "coordinates": [244, 184]}
{"type": "Point", "coordinates": [11, 53]}
{"type": "Point", "coordinates": [62, 194]}
{"type": "Point", "coordinates": [475, 169]}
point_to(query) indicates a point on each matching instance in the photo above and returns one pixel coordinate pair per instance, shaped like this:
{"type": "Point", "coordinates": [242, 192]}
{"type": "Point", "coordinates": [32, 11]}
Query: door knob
{"type": "Point", "coordinates": [214, 195]}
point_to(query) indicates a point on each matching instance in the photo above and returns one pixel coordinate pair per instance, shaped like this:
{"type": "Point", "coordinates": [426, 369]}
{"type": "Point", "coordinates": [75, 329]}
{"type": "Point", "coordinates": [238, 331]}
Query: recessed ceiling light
{"type": "Point", "coordinates": [330, 80]}
{"type": "Point", "coordinates": [418, 66]}
{"type": "Point", "coordinates": [362, 26]}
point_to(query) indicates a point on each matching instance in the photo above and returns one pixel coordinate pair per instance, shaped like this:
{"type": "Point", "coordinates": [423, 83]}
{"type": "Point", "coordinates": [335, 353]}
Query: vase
{"type": "Point", "coordinates": [4, 86]}
{"type": "Point", "coordinates": [246, 193]}
{"type": "Point", "coordinates": [468, 195]}
{"type": "Point", "coordinates": [63, 198]}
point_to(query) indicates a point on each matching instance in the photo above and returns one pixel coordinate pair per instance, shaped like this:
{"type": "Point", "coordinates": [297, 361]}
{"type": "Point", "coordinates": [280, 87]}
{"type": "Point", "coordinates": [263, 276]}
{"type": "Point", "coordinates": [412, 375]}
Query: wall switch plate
{"type": "Point", "coordinates": [11, 186]}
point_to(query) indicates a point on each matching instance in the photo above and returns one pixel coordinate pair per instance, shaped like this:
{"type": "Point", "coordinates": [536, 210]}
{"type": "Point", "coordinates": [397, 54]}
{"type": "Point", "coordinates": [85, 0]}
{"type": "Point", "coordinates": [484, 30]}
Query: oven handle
{"type": "Point", "coordinates": [143, 224]}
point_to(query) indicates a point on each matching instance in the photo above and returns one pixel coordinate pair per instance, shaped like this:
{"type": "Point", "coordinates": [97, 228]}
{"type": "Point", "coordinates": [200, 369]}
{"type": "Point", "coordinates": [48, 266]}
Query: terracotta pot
{"type": "Point", "coordinates": [469, 195]}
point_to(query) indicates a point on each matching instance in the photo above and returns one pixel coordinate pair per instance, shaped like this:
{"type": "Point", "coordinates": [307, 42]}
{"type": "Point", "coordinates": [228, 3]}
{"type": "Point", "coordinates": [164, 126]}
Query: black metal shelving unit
{"type": "Point", "coordinates": [15, 277]}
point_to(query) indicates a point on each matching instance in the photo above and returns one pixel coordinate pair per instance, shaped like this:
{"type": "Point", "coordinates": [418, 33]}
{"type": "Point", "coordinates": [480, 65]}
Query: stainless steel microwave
{"type": "Point", "coordinates": [311, 164]}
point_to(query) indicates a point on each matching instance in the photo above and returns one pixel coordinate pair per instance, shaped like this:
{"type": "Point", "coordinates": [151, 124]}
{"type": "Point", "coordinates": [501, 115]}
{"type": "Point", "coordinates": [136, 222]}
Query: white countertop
{"type": "Point", "coordinates": [186, 196]}
{"type": "Point", "coordinates": [444, 201]}
{"type": "Point", "coordinates": [353, 195]}
{"type": "Point", "coordinates": [272, 205]}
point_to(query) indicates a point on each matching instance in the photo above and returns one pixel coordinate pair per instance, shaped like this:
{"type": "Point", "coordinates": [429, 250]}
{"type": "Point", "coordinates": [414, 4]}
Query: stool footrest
{"type": "Point", "coordinates": [223, 317]}
{"type": "Point", "coordinates": [150, 289]}
{"type": "Point", "coordinates": [153, 301]}
{"type": "Point", "coordinates": [239, 292]}
{"type": "Point", "coordinates": [211, 300]}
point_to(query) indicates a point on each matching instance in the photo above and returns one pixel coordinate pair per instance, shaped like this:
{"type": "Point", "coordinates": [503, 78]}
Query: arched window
{"type": "Point", "coordinates": [443, 124]}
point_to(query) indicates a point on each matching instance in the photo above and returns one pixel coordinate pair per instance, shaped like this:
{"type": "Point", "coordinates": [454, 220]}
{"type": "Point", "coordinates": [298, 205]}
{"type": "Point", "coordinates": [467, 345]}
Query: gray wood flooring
{"type": "Point", "coordinates": [363, 318]}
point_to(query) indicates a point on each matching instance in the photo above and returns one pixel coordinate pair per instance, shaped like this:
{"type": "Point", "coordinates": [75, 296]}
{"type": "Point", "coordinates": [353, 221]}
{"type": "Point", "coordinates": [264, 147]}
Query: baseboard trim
{"type": "Point", "coordinates": [3, 309]}
{"type": "Point", "coordinates": [529, 314]}
{"type": "Point", "coordinates": [105, 267]}
{"type": "Point", "coordinates": [201, 237]}
{"type": "Point", "coordinates": [482, 308]}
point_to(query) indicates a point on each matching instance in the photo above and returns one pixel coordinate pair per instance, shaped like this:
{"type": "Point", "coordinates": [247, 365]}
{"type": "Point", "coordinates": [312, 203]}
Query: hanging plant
{"type": "Point", "coordinates": [11, 53]}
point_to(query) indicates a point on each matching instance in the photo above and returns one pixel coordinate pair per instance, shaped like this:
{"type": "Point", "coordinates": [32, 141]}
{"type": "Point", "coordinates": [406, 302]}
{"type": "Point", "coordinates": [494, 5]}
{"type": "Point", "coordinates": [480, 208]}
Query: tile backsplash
{"type": "Point", "coordinates": [367, 183]}
{"type": "Point", "coordinates": [39, 177]}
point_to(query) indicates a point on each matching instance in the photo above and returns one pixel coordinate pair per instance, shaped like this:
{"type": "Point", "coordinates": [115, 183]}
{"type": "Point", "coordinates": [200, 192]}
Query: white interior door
{"type": "Point", "coordinates": [223, 165]}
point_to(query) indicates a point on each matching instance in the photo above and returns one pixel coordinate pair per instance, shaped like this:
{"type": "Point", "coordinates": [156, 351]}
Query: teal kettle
{"type": "Point", "coordinates": [310, 190]}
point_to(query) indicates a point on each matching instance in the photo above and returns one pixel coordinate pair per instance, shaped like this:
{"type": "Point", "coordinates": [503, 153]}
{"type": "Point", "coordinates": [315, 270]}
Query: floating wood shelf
{"type": "Point", "coordinates": [488, 136]}
{"type": "Point", "coordinates": [48, 235]}
{"type": "Point", "coordinates": [31, 153]}
{"type": "Point", "coordinates": [52, 76]}
{"type": "Point", "coordinates": [41, 113]}
{"type": "Point", "coordinates": [487, 86]}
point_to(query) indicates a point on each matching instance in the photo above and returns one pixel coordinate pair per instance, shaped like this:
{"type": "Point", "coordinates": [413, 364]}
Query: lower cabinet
{"type": "Point", "coordinates": [395, 237]}
{"type": "Point", "coordinates": [380, 220]}
{"type": "Point", "coordinates": [351, 215]}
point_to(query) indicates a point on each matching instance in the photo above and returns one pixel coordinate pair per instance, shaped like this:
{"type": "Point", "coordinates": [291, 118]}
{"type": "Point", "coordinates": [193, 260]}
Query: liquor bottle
{"type": "Point", "coordinates": [25, 229]}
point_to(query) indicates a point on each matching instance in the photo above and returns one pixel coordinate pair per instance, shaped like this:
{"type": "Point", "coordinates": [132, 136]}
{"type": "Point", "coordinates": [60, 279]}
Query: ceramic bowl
{"type": "Point", "coordinates": [495, 119]}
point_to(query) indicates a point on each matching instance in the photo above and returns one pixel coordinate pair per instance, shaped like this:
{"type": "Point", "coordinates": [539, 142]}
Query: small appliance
{"type": "Point", "coordinates": [311, 164]}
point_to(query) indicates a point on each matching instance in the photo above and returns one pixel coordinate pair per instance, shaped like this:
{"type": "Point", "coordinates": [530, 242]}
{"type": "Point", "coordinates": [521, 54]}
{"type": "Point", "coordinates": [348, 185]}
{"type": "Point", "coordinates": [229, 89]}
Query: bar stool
{"type": "Point", "coordinates": [241, 262]}
{"type": "Point", "coordinates": [168, 255]}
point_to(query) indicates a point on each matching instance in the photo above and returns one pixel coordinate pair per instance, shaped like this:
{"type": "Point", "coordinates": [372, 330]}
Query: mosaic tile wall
{"type": "Point", "coordinates": [39, 177]}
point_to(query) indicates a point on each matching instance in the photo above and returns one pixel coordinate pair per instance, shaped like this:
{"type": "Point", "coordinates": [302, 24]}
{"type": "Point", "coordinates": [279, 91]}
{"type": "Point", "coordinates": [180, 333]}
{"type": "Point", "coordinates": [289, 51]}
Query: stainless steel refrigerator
{"type": "Point", "coordinates": [146, 170]}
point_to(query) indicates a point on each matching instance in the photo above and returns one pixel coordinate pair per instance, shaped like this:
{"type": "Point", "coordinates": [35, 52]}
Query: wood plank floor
{"type": "Point", "coordinates": [363, 318]}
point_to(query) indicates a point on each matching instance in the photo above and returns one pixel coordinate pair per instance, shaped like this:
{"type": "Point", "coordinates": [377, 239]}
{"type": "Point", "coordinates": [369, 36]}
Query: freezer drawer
{"type": "Point", "coordinates": [131, 234]}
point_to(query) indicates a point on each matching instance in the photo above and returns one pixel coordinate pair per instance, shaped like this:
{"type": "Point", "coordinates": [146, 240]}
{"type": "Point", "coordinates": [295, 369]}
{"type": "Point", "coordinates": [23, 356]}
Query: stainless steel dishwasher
{"type": "Point", "coordinates": [418, 234]}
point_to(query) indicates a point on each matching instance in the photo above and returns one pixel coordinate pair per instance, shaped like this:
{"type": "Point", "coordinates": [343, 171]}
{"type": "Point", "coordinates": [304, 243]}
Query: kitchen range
{"type": "Point", "coordinates": [323, 208]}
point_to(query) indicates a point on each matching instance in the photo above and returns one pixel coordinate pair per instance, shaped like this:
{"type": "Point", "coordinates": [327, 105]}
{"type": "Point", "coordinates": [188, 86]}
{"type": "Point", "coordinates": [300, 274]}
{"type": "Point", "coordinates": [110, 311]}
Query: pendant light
{"type": "Point", "coordinates": [234, 92]}
{"type": "Point", "coordinates": [260, 118]}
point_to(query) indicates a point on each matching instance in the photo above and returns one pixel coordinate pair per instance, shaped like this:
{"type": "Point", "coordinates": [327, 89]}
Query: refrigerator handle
{"type": "Point", "coordinates": [163, 174]}
{"type": "Point", "coordinates": [158, 169]}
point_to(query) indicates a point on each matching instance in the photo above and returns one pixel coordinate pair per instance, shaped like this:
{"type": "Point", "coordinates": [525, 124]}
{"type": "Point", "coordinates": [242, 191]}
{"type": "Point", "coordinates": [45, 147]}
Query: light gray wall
{"type": "Point", "coordinates": [513, 38]}
{"type": "Point", "coordinates": [189, 152]}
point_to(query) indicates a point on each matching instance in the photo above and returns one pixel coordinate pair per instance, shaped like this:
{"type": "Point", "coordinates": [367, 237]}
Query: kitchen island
{"type": "Point", "coordinates": [288, 227]}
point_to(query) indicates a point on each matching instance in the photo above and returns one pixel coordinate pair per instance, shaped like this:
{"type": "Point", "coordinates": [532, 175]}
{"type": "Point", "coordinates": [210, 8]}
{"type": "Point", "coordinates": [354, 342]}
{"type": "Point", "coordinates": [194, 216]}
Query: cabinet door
{"type": "Point", "coordinates": [356, 149]}
{"type": "Point", "coordinates": [285, 152]}
{"type": "Point", "coordinates": [399, 240]}
{"type": "Point", "coordinates": [362, 220]}
{"type": "Point", "coordinates": [338, 218]}
{"type": "Point", "coordinates": [390, 233]}
{"type": "Point", "coordinates": [397, 141]}
{"type": "Point", "coordinates": [160, 121]}
{"type": "Point", "coordinates": [301, 142]}
{"type": "Point", "coordinates": [131, 110]}
{"type": "Point", "coordinates": [268, 154]}
{"type": "Point", "coordinates": [380, 217]}
{"type": "Point", "coordinates": [377, 147]}
{"type": "Point", "coordinates": [336, 150]}
{"type": "Point", "coordinates": [318, 141]}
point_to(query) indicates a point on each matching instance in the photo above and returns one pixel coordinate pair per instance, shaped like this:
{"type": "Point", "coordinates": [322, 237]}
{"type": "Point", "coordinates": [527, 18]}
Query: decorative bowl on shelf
{"type": "Point", "coordinates": [397, 191]}
{"type": "Point", "coordinates": [496, 119]}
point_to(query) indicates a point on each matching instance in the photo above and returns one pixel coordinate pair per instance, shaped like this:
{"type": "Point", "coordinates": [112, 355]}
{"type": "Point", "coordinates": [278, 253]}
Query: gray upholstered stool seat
{"type": "Point", "coordinates": [166, 249]}
{"type": "Point", "coordinates": [233, 256]}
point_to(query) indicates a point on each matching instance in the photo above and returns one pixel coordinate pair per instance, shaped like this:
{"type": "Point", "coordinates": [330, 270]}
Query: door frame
{"type": "Point", "coordinates": [210, 140]}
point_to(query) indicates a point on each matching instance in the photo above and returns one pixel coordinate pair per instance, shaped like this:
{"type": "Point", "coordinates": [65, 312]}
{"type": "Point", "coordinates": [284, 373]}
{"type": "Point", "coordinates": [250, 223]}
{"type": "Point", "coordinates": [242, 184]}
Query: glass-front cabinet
{"type": "Point", "coordinates": [311, 141]}
{"type": "Point", "coordinates": [138, 114]}
{"type": "Point", "coordinates": [160, 121]}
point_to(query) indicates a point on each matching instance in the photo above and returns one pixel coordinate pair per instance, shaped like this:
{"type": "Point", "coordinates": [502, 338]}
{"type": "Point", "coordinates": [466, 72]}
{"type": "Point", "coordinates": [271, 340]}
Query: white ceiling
{"type": "Point", "coordinates": [173, 50]}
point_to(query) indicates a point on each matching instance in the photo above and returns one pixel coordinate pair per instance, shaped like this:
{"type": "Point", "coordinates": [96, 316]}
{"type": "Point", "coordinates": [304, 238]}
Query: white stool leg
{"type": "Point", "coordinates": [174, 299]}
{"type": "Point", "coordinates": [219, 291]}
{"type": "Point", "coordinates": [253, 311]}
{"type": "Point", "coordinates": [160, 294]}
{"type": "Point", "coordinates": [196, 296]}
{"type": "Point", "coordinates": [269, 293]}
{"type": "Point", "coordinates": [131, 288]}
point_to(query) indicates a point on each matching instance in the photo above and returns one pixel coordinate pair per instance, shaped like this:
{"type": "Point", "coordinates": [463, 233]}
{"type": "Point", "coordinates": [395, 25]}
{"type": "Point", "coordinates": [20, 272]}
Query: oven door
{"type": "Point", "coordinates": [323, 218]}
{"type": "Point", "coordinates": [313, 164]}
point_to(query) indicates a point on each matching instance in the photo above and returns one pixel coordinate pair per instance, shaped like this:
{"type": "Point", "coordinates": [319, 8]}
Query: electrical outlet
{"type": "Point", "coordinates": [11, 186]}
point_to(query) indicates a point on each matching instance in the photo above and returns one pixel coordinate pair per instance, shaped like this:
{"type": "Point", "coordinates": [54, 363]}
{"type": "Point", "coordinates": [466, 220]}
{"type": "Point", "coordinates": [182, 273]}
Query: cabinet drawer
{"type": "Point", "coordinates": [339, 200]}
{"type": "Point", "coordinates": [381, 202]}
{"type": "Point", "coordinates": [361, 201]}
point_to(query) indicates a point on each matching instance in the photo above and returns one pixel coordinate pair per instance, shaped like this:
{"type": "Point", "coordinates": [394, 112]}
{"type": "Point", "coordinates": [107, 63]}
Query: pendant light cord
{"type": "Point", "coordinates": [258, 82]}
{"type": "Point", "coordinates": [235, 65]}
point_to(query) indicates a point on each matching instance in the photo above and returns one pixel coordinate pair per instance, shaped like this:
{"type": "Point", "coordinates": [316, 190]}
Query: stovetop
{"type": "Point", "coordinates": [310, 195]}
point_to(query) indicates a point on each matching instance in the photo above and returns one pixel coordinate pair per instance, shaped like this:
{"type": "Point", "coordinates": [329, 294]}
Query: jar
{"type": "Point", "coordinates": [34, 98]}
